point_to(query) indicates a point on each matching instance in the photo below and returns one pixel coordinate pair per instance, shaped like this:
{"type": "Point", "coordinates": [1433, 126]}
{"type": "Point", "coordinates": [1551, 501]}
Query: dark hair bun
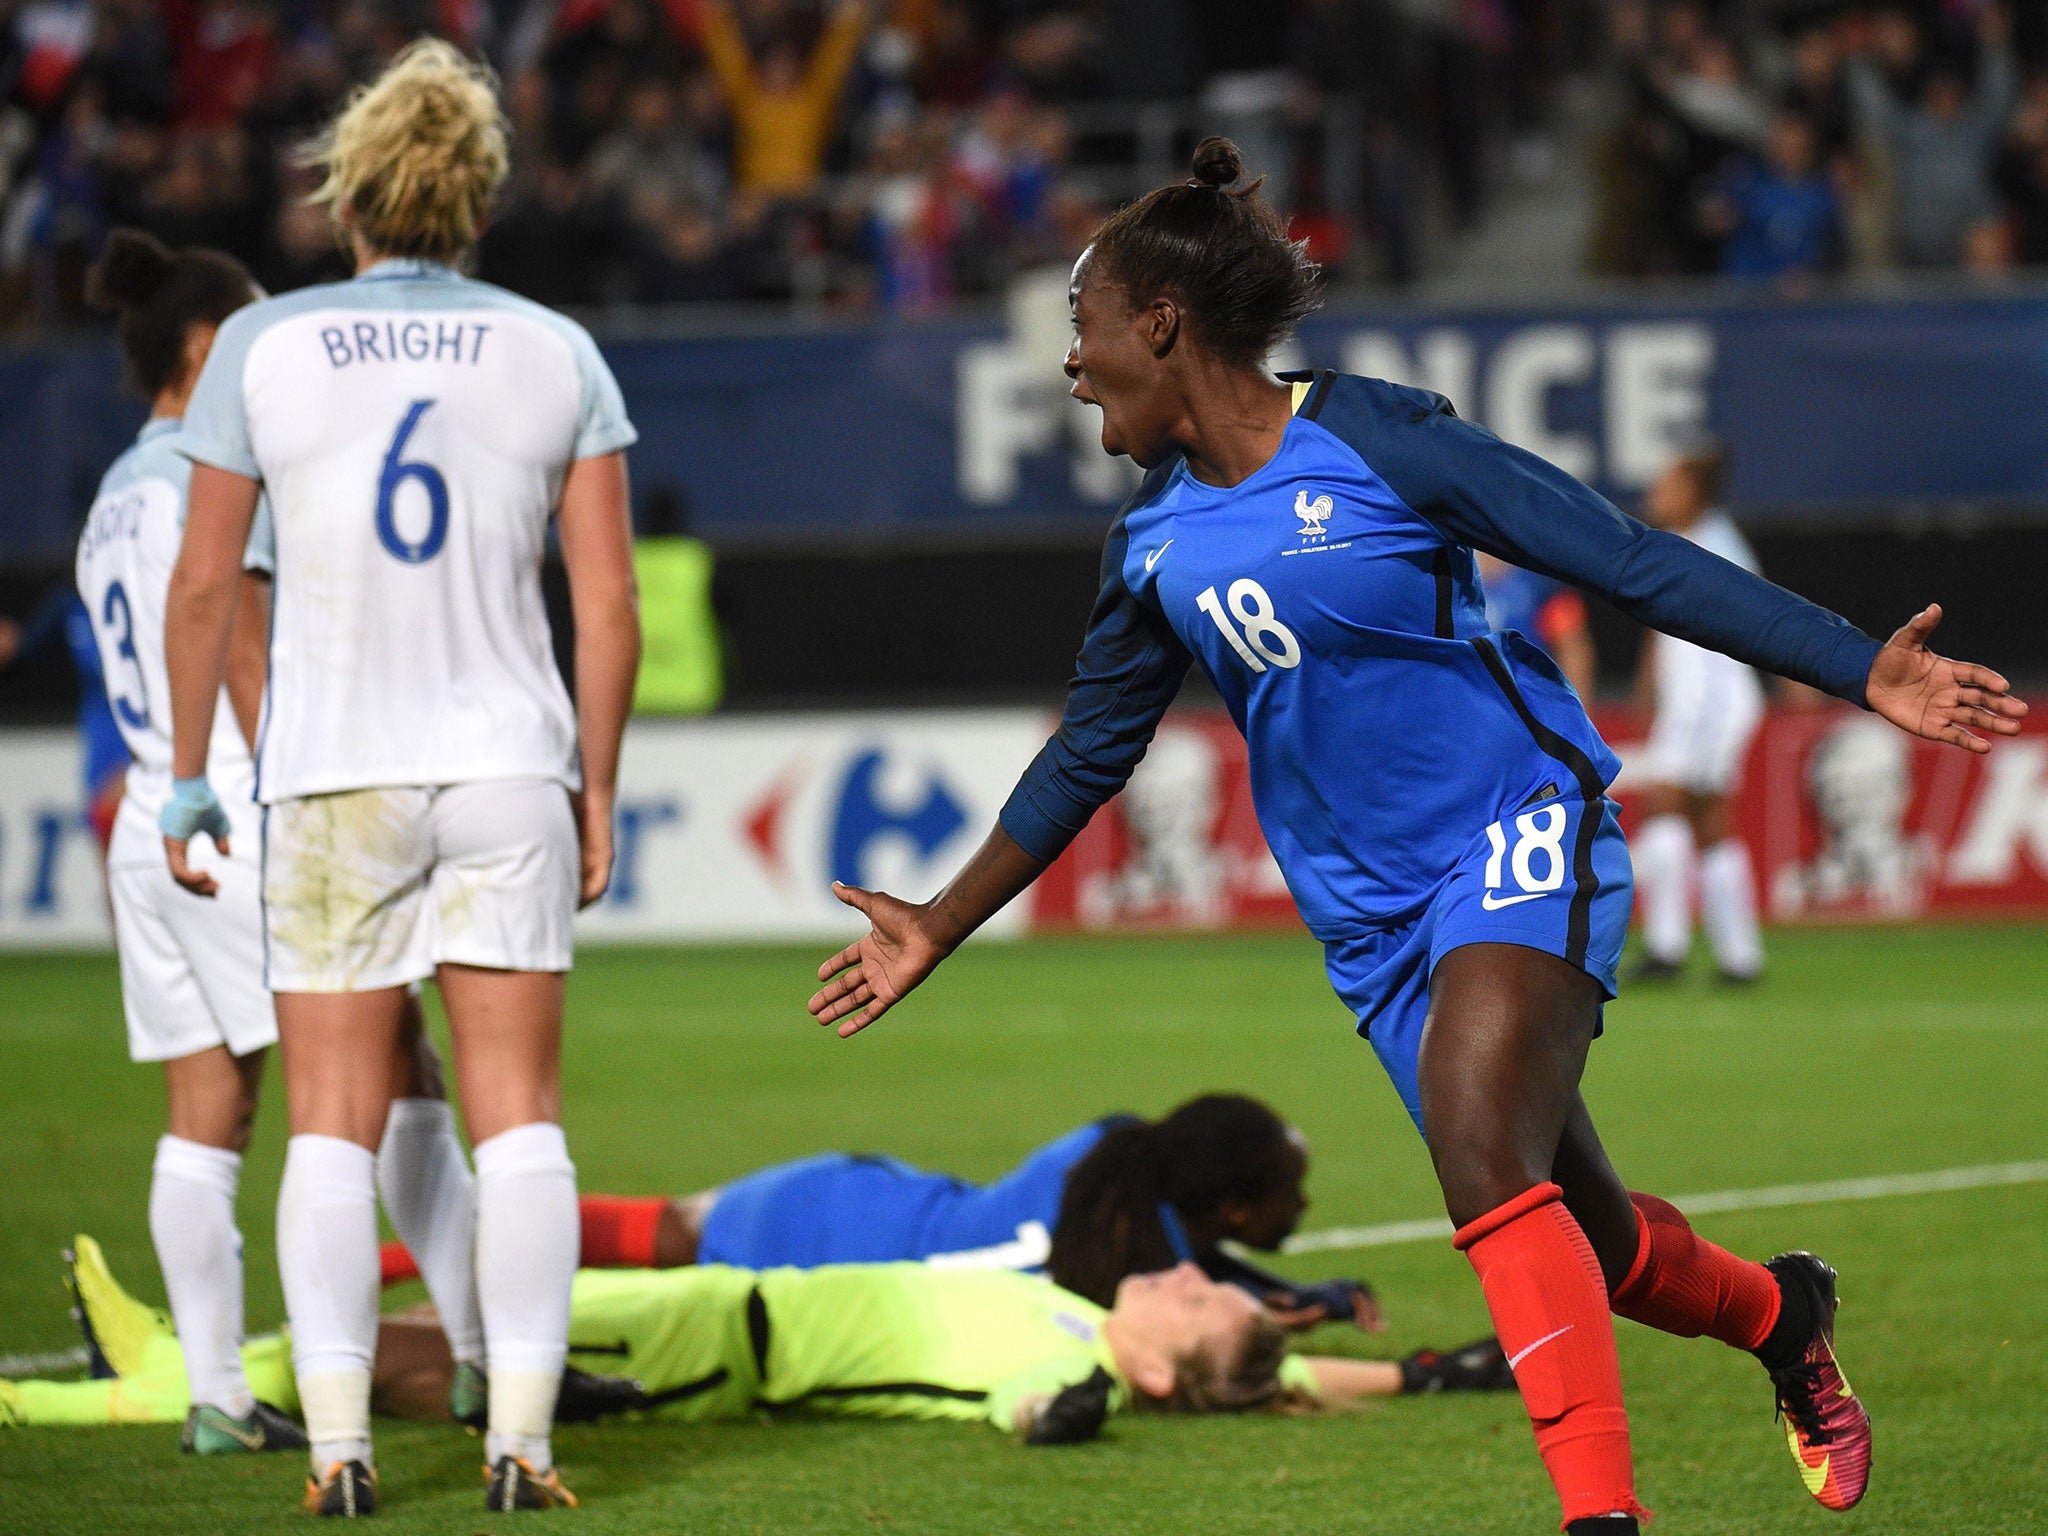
{"type": "Point", "coordinates": [131, 271]}
{"type": "Point", "coordinates": [1217, 162]}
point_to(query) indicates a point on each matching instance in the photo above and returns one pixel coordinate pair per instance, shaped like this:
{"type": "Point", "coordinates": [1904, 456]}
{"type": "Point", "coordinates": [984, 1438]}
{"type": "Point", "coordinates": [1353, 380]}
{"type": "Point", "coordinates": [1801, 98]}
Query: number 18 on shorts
{"type": "Point", "coordinates": [1552, 876]}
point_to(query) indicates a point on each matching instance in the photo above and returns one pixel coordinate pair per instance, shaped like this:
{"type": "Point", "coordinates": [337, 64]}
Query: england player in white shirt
{"type": "Point", "coordinates": [1708, 707]}
{"type": "Point", "coordinates": [191, 971]}
{"type": "Point", "coordinates": [432, 802]}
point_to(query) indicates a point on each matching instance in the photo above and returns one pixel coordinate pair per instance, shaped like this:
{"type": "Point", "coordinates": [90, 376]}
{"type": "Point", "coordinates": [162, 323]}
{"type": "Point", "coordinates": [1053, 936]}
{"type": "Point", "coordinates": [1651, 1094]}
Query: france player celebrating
{"type": "Point", "coordinates": [1433, 791]}
{"type": "Point", "coordinates": [432, 802]}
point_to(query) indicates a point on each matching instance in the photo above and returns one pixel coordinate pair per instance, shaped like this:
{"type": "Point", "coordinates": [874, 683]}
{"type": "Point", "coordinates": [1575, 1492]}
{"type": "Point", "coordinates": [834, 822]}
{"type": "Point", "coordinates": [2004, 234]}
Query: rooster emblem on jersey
{"type": "Point", "coordinates": [1313, 514]}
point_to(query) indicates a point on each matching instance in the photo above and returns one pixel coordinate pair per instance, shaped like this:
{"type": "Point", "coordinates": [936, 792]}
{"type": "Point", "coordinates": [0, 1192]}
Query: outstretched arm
{"type": "Point", "coordinates": [1482, 492]}
{"type": "Point", "coordinates": [1341, 1382]}
{"type": "Point", "coordinates": [906, 942]}
{"type": "Point", "coordinates": [1130, 667]}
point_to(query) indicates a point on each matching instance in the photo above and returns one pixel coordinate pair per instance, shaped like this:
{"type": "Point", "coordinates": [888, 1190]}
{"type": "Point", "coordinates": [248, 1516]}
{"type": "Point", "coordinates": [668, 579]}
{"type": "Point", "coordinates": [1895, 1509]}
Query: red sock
{"type": "Point", "coordinates": [395, 1264]}
{"type": "Point", "coordinates": [618, 1230]}
{"type": "Point", "coordinates": [1549, 1306]}
{"type": "Point", "coordinates": [1683, 1284]}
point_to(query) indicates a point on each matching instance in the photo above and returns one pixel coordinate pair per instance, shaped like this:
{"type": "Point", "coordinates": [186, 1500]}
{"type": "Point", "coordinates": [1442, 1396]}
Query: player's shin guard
{"type": "Point", "coordinates": [526, 1254]}
{"type": "Point", "coordinates": [618, 1230]}
{"type": "Point", "coordinates": [327, 1259]}
{"type": "Point", "coordinates": [431, 1199]}
{"type": "Point", "coordinates": [1681, 1283]}
{"type": "Point", "coordinates": [1549, 1305]}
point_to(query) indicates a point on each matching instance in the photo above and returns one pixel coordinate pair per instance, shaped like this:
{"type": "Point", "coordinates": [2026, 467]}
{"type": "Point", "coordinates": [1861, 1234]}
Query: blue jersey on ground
{"type": "Point", "coordinates": [1422, 780]}
{"type": "Point", "coordinates": [845, 1209]}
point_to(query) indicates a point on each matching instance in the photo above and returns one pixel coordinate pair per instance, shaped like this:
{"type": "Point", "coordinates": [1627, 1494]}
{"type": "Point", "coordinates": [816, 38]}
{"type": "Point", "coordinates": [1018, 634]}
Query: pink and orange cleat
{"type": "Point", "coordinates": [1825, 1424]}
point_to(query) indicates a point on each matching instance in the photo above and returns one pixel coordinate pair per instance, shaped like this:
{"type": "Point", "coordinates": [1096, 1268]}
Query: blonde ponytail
{"type": "Point", "coordinates": [414, 158]}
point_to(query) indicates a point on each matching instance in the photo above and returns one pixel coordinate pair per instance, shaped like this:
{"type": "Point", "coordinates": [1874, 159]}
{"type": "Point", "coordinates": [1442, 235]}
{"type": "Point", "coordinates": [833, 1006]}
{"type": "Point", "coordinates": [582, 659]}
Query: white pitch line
{"type": "Point", "coordinates": [1881, 1187]}
{"type": "Point", "coordinates": [44, 1364]}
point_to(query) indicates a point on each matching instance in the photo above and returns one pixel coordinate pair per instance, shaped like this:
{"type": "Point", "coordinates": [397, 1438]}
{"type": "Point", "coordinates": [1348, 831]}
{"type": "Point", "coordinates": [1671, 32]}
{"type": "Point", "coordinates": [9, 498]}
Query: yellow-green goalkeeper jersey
{"type": "Point", "coordinates": [903, 1341]}
{"type": "Point", "coordinates": [882, 1340]}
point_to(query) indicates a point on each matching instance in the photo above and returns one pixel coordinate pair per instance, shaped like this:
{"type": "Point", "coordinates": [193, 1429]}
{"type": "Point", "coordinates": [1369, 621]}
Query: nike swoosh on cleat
{"type": "Point", "coordinates": [251, 1439]}
{"type": "Point", "coordinates": [1815, 1478]}
{"type": "Point", "coordinates": [1529, 1349]}
{"type": "Point", "coordinates": [1153, 558]}
{"type": "Point", "coordinates": [1491, 905]}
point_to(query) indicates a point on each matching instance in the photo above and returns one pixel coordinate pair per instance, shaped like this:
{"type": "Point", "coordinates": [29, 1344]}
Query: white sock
{"type": "Point", "coordinates": [1663, 853]}
{"type": "Point", "coordinates": [431, 1199]}
{"type": "Point", "coordinates": [1728, 907]}
{"type": "Point", "coordinates": [192, 1220]}
{"type": "Point", "coordinates": [327, 1258]}
{"type": "Point", "coordinates": [526, 1250]}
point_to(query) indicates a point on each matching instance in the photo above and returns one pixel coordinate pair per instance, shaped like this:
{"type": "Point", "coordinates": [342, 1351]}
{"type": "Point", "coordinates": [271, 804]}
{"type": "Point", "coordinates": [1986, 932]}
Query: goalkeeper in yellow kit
{"type": "Point", "coordinates": [865, 1340]}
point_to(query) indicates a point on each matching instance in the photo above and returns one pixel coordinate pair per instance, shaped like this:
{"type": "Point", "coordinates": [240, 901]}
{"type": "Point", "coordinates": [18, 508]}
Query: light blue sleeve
{"type": "Point", "coordinates": [216, 427]}
{"type": "Point", "coordinates": [260, 553]}
{"type": "Point", "coordinates": [602, 426]}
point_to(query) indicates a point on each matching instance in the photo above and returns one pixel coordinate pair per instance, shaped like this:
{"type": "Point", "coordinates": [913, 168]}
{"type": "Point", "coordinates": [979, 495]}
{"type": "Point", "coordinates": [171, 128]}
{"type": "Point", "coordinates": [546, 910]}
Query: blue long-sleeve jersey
{"type": "Point", "coordinates": [1333, 601]}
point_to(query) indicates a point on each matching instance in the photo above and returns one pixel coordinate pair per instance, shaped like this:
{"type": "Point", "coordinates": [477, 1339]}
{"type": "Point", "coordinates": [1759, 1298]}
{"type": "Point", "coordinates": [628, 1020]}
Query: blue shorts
{"type": "Point", "coordinates": [1553, 877]}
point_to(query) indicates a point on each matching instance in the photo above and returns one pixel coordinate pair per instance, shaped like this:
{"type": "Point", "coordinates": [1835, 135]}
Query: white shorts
{"type": "Point", "coordinates": [1708, 710]}
{"type": "Point", "coordinates": [370, 888]}
{"type": "Point", "coordinates": [191, 966]}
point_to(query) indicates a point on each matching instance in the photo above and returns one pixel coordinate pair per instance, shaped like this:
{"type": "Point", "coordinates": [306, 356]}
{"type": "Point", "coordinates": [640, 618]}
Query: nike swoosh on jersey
{"type": "Point", "coordinates": [1153, 558]}
{"type": "Point", "coordinates": [1491, 905]}
{"type": "Point", "coordinates": [1529, 1349]}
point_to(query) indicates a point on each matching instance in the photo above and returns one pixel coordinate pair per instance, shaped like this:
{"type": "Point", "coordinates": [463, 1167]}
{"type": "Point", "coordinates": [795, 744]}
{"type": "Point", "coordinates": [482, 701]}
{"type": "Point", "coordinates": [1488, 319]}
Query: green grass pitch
{"type": "Point", "coordinates": [1865, 1052]}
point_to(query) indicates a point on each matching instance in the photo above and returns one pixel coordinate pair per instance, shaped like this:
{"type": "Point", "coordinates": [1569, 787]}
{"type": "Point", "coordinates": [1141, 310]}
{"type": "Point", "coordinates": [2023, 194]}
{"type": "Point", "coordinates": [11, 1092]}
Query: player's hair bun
{"type": "Point", "coordinates": [158, 295]}
{"type": "Point", "coordinates": [132, 270]}
{"type": "Point", "coordinates": [1217, 162]}
{"type": "Point", "coordinates": [416, 156]}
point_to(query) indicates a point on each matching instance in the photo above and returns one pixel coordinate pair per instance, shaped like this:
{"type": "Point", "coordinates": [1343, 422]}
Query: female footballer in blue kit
{"type": "Point", "coordinates": [1118, 1196]}
{"type": "Point", "coordinates": [1433, 791]}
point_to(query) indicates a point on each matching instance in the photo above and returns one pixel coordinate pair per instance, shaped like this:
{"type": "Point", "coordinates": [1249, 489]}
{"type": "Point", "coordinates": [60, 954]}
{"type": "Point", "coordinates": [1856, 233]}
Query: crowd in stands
{"type": "Point", "coordinates": [900, 154]}
{"type": "Point", "coordinates": [853, 153]}
{"type": "Point", "coordinates": [1819, 139]}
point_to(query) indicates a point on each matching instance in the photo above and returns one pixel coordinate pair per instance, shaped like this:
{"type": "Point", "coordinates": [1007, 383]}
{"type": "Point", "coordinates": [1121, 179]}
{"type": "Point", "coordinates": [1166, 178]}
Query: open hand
{"type": "Point", "coordinates": [1295, 1313]}
{"type": "Point", "coordinates": [867, 978]}
{"type": "Point", "coordinates": [1931, 696]}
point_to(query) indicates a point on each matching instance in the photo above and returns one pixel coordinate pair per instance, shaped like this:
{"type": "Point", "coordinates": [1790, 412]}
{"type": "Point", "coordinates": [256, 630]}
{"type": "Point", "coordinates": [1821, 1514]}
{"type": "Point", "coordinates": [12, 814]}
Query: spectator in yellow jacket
{"type": "Point", "coordinates": [782, 105]}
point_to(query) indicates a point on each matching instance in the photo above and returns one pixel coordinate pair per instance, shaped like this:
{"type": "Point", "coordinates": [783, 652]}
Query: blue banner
{"type": "Point", "coordinates": [1829, 407]}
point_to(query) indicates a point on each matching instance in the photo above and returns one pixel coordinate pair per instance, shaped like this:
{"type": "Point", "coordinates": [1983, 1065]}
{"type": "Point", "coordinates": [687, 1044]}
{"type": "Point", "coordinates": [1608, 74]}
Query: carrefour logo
{"type": "Point", "coordinates": [927, 820]}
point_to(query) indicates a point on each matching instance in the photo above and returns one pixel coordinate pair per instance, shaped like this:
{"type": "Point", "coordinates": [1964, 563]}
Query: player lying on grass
{"type": "Point", "coordinates": [902, 1341]}
{"type": "Point", "coordinates": [1119, 1196]}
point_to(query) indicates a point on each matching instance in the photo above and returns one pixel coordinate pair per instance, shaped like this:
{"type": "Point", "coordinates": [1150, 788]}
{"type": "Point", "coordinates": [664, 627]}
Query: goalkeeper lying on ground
{"type": "Point", "coordinates": [874, 1340]}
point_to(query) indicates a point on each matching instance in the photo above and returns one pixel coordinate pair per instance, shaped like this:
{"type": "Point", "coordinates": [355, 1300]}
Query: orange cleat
{"type": "Point", "coordinates": [511, 1483]}
{"type": "Point", "coordinates": [348, 1492]}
